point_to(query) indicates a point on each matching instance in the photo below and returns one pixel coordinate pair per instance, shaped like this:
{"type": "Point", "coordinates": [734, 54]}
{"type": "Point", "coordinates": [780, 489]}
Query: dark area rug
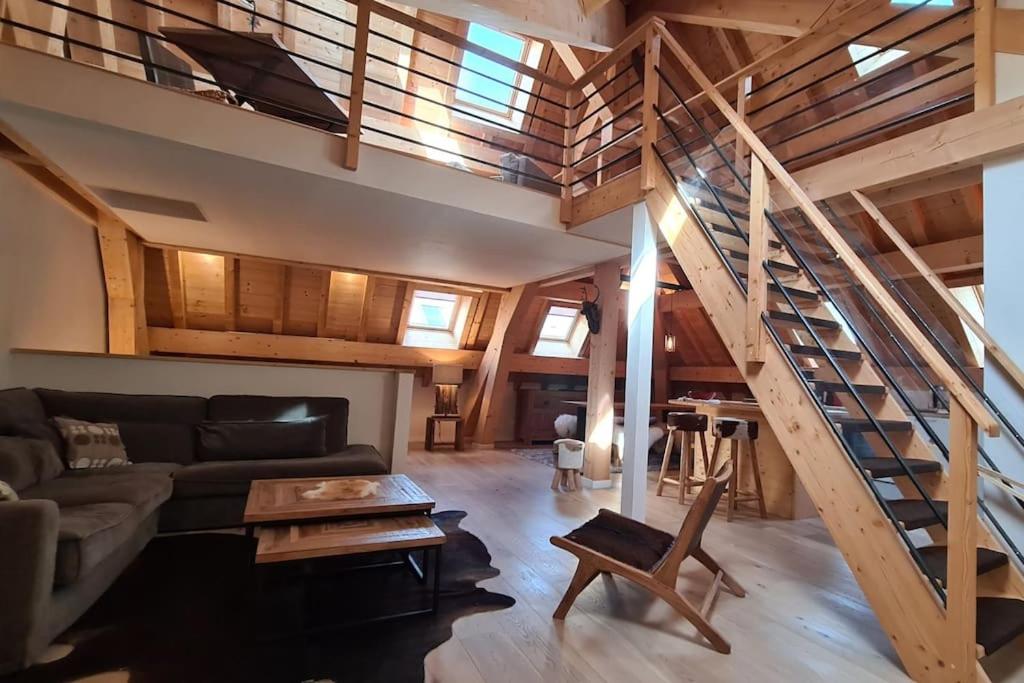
{"type": "Point", "coordinates": [188, 611]}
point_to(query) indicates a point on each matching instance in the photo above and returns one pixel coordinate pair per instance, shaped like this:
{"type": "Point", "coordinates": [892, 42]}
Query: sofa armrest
{"type": "Point", "coordinates": [28, 537]}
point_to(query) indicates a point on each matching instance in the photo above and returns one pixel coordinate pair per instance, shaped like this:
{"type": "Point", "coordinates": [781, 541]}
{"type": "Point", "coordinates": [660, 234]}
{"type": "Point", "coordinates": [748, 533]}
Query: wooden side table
{"type": "Point", "coordinates": [433, 422]}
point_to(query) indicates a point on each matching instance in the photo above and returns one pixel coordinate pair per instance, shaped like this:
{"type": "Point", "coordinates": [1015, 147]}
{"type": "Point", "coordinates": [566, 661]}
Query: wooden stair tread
{"type": "Point", "coordinates": [917, 514]}
{"type": "Point", "coordinates": [840, 388]}
{"type": "Point", "coordinates": [778, 265]}
{"type": "Point", "coordinates": [841, 354]}
{"type": "Point", "coordinates": [784, 317]}
{"type": "Point", "coordinates": [794, 292]}
{"type": "Point", "coordinates": [1000, 620]}
{"type": "Point", "coordinates": [883, 468]}
{"type": "Point", "coordinates": [935, 556]}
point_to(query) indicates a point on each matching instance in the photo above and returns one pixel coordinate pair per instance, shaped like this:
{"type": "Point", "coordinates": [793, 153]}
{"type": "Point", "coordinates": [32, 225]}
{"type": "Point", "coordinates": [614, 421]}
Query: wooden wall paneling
{"type": "Point", "coordinates": [345, 304]}
{"type": "Point", "coordinates": [367, 303]}
{"type": "Point", "coordinates": [259, 295]}
{"type": "Point", "coordinates": [403, 317]}
{"type": "Point", "coordinates": [659, 363]}
{"type": "Point", "coordinates": [203, 290]}
{"type": "Point", "coordinates": [476, 320]}
{"type": "Point", "coordinates": [158, 302]}
{"type": "Point", "coordinates": [230, 293]}
{"type": "Point", "coordinates": [175, 287]}
{"type": "Point", "coordinates": [323, 302]}
{"type": "Point", "coordinates": [303, 311]}
{"type": "Point", "coordinates": [384, 313]}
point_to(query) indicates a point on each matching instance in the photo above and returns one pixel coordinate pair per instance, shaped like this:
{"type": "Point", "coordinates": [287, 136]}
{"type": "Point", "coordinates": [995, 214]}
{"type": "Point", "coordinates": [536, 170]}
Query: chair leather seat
{"type": "Point", "coordinates": [623, 539]}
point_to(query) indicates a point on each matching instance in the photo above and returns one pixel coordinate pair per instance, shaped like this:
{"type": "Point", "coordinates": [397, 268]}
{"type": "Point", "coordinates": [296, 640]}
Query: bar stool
{"type": "Point", "coordinates": [689, 424]}
{"type": "Point", "coordinates": [739, 432]}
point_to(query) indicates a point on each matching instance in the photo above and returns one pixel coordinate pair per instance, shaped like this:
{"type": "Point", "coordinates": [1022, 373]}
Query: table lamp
{"type": "Point", "coordinates": [447, 379]}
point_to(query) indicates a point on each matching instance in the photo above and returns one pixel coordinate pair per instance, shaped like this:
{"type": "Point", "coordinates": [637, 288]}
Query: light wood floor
{"type": "Point", "coordinates": [804, 619]}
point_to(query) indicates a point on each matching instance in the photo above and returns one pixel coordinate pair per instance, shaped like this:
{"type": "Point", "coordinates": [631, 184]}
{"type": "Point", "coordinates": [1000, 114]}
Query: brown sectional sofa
{"type": "Point", "coordinates": [74, 531]}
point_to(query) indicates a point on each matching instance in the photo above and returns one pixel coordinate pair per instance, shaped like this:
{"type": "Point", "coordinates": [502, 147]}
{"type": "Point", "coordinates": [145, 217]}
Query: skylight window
{"type": "Point", "coordinates": [432, 310]}
{"type": "Point", "coordinates": [562, 333]}
{"type": "Point", "coordinates": [485, 84]}
{"type": "Point", "coordinates": [866, 58]}
{"type": "Point", "coordinates": [436, 319]}
{"type": "Point", "coordinates": [488, 92]}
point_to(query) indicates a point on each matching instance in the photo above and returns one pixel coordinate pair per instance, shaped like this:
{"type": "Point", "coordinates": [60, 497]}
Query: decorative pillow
{"type": "Point", "coordinates": [91, 444]}
{"type": "Point", "coordinates": [258, 440]}
{"type": "Point", "coordinates": [7, 494]}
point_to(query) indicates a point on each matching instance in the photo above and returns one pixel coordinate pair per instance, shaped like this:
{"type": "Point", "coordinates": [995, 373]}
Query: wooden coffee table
{"type": "Point", "coordinates": [362, 515]}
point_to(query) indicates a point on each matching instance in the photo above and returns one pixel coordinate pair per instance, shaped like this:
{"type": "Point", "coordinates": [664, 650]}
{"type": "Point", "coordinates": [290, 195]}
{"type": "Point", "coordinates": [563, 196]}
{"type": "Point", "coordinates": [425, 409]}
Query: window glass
{"type": "Point", "coordinates": [432, 310]}
{"type": "Point", "coordinates": [876, 60]}
{"type": "Point", "coordinates": [559, 323]}
{"type": "Point", "coordinates": [494, 94]}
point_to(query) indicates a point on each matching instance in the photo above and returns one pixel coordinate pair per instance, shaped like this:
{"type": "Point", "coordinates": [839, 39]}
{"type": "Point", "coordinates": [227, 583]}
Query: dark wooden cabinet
{"type": "Point", "coordinates": [537, 410]}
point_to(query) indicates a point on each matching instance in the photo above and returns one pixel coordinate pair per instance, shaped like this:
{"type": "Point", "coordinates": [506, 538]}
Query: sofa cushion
{"type": "Point", "coordinates": [223, 408]}
{"type": "Point", "coordinates": [88, 534]}
{"type": "Point", "coordinates": [166, 469]}
{"type": "Point", "coordinates": [91, 444]}
{"type": "Point", "coordinates": [143, 491]}
{"type": "Point", "coordinates": [252, 440]}
{"type": "Point", "coordinates": [232, 478]}
{"type": "Point", "coordinates": [158, 442]}
{"type": "Point", "coordinates": [25, 463]}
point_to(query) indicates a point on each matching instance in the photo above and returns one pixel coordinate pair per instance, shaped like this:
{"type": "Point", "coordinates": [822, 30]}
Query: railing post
{"type": "Point", "coordinates": [962, 543]}
{"type": "Point", "coordinates": [743, 87]}
{"type": "Point", "coordinates": [565, 211]}
{"type": "Point", "coordinates": [757, 279]}
{"type": "Point", "coordinates": [355, 102]}
{"type": "Point", "coordinates": [652, 57]}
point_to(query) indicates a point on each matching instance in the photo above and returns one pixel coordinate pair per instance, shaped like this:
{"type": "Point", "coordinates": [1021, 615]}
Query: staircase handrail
{"type": "Point", "coordinates": [949, 377]}
{"type": "Point", "coordinates": [939, 287]}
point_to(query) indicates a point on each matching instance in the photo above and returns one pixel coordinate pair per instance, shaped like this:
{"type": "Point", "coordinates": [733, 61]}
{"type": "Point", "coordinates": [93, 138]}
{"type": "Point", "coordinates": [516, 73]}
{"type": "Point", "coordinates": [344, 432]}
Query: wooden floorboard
{"type": "Point", "coordinates": [804, 619]}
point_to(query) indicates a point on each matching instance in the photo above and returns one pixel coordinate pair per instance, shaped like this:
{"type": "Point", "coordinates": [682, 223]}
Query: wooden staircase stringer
{"type": "Point", "coordinates": [898, 592]}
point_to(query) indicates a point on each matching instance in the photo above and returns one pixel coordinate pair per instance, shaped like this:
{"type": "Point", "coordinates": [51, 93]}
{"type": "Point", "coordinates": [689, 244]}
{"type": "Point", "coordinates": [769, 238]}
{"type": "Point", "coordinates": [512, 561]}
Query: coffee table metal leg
{"type": "Point", "coordinates": [437, 578]}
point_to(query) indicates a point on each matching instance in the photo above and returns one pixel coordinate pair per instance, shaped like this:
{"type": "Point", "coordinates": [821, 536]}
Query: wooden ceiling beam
{"type": "Point", "coordinates": [283, 347]}
{"type": "Point", "coordinates": [952, 145]}
{"type": "Point", "coordinates": [600, 28]}
{"type": "Point", "coordinates": [790, 18]}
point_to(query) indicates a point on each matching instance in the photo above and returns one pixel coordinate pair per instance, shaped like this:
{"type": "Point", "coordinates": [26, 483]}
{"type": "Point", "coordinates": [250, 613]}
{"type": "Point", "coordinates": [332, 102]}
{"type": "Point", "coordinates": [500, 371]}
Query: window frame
{"type": "Point", "coordinates": [458, 323]}
{"type": "Point", "coordinates": [573, 343]}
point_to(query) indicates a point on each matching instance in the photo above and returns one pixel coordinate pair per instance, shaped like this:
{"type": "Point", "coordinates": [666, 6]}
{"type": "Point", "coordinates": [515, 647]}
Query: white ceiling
{"type": "Point", "coordinates": [263, 209]}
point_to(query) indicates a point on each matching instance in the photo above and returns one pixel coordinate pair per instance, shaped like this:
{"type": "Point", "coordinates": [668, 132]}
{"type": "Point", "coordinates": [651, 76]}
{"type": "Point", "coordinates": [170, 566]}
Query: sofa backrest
{"type": "Point", "coordinates": [286, 408]}
{"type": "Point", "coordinates": [153, 428]}
{"type": "Point", "coordinates": [27, 462]}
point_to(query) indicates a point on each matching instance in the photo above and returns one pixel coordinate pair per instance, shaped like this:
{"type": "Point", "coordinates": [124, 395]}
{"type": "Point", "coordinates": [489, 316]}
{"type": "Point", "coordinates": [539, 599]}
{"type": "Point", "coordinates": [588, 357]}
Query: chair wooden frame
{"type": "Point", "coordinates": [661, 579]}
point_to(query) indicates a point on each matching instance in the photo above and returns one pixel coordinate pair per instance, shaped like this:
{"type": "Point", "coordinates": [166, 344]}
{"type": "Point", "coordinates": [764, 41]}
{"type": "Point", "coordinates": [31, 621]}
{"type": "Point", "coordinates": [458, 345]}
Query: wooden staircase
{"type": "Point", "coordinates": [905, 596]}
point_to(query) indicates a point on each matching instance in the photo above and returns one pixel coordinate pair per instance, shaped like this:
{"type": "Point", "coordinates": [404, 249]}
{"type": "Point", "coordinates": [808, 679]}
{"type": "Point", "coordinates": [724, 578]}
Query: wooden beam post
{"type": "Point", "coordinates": [643, 275]}
{"type": "Point", "coordinates": [230, 293]}
{"type": "Point", "coordinates": [175, 287]}
{"type": "Point", "coordinates": [358, 81]}
{"type": "Point", "coordinates": [488, 387]}
{"type": "Point", "coordinates": [743, 87]}
{"type": "Point", "coordinates": [652, 58]}
{"type": "Point", "coordinates": [568, 139]}
{"type": "Point", "coordinates": [601, 381]}
{"type": "Point", "coordinates": [962, 542]}
{"type": "Point", "coordinates": [121, 254]}
{"type": "Point", "coordinates": [757, 279]}
{"type": "Point", "coordinates": [984, 54]}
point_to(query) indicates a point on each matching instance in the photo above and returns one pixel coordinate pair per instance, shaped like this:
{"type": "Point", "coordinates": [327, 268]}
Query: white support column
{"type": "Point", "coordinates": [1002, 182]}
{"type": "Point", "coordinates": [403, 416]}
{"type": "Point", "coordinates": [643, 275]}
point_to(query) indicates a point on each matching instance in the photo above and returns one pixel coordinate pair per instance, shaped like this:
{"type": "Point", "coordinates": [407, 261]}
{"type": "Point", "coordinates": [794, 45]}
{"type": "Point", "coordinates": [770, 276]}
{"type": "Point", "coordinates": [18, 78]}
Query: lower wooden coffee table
{"type": "Point", "coordinates": [306, 519]}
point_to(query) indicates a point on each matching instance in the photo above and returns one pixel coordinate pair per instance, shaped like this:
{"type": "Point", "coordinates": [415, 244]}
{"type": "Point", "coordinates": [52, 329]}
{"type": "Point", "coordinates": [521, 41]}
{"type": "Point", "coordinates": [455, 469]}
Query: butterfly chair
{"type": "Point", "coordinates": [650, 557]}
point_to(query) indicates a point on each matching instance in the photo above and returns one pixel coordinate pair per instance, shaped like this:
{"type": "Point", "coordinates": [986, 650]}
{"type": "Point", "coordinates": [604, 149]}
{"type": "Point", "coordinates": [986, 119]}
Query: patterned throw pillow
{"type": "Point", "coordinates": [7, 494]}
{"type": "Point", "coordinates": [91, 444]}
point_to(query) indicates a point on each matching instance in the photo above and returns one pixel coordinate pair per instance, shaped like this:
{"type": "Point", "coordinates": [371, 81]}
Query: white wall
{"type": "Point", "coordinates": [1002, 242]}
{"type": "Point", "coordinates": [52, 282]}
{"type": "Point", "coordinates": [378, 399]}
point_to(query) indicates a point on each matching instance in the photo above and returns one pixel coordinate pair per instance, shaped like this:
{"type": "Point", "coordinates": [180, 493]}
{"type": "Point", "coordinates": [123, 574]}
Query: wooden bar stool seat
{"type": "Point", "coordinates": [739, 432]}
{"type": "Point", "coordinates": [687, 424]}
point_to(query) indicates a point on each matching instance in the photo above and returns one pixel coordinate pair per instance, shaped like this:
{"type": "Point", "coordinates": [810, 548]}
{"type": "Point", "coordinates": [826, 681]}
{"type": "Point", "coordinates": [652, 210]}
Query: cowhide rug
{"type": "Point", "coordinates": [186, 610]}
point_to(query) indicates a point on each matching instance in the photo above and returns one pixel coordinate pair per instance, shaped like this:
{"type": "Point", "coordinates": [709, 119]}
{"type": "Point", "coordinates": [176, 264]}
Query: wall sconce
{"type": "Point", "coordinates": [670, 343]}
{"type": "Point", "coordinates": [447, 379]}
